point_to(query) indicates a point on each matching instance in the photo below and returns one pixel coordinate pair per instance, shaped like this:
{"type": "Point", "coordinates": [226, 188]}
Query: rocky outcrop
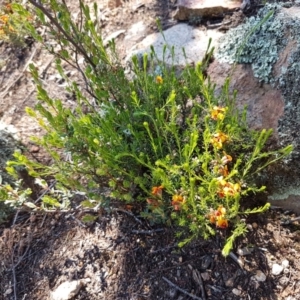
{"type": "Point", "coordinates": [189, 9]}
{"type": "Point", "coordinates": [262, 57]}
{"type": "Point", "coordinates": [193, 40]}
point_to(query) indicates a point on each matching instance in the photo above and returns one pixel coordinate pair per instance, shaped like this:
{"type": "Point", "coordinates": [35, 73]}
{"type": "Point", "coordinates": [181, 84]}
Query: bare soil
{"type": "Point", "coordinates": [121, 256]}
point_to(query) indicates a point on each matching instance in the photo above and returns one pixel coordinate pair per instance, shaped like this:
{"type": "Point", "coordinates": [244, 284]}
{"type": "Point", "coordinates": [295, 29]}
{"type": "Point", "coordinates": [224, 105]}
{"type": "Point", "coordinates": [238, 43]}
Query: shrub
{"type": "Point", "coordinates": [162, 140]}
{"type": "Point", "coordinates": [11, 25]}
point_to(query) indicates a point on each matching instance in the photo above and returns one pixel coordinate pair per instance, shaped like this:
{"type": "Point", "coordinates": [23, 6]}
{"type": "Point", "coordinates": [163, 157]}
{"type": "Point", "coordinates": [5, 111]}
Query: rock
{"type": "Point", "coordinates": [206, 8]}
{"type": "Point", "coordinates": [285, 263]}
{"type": "Point", "coordinates": [205, 276]}
{"type": "Point", "coordinates": [244, 251]}
{"type": "Point", "coordinates": [180, 36]}
{"type": "Point", "coordinates": [264, 69]}
{"type": "Point", "coordinates": [236, 292]}
{"type": "Point", "coordinates": [113, 36]}
{"type": "Point", "coordinates": [260, 276]}
{"type": "Point", "coordinates": [34, 149]}
{"type": "Point", "coordinates": [68, 289]}
{"type": "Point", "coordinates": [8, 292]}
{"type": "Point", "coordinates": [277, 269]}
{"type": "Point", "coordinates": [230, 282]}
{"type": "Point", "coordinates": [114, 3]}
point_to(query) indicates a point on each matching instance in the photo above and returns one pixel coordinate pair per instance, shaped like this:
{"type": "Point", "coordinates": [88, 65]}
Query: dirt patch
{"type": "Point", "coordinates": [122, 257]}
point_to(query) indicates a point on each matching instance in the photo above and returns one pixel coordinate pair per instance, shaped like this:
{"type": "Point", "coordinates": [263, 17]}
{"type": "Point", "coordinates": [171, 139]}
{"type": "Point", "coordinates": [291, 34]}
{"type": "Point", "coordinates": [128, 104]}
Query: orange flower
{"type": "Point", "coordinates": [226, 159]}
{"type": "Point", "coordinates": [159, 79]}
{"type": "Point", "coordinates": [221, 211]}
{"type": "Point", "coordinates": [4, 19]}
{"type": "Point", "coordinates": [157, 190]}
{"type": "Point", "coordinates": [218, 113]}
{"type": "Point", "coordinates": [218, 217]}
{"type": "Point", "coordinates": [218, 139]}
{"type": "Point", "coordinates": [223, 170]}
{"type": "Point", "coordinates": [177, 201]}
{"type": "Point", "coordinates": [222, 223]}
{"type": "Point", "coordinates": [228, 188]}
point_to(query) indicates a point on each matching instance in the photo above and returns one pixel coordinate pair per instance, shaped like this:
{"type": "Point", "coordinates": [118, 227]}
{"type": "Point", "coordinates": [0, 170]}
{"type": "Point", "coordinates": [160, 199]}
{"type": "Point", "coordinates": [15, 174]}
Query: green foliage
{"type": "Point", "coordinates": [162, 139]}
{"type": "Point", "coordinates": [11, 24]}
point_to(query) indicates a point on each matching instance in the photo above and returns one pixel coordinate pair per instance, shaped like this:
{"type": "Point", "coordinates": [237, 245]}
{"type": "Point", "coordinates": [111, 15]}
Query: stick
{"type": "Point", "coordinates": [197, 277]}
{"type": "Point", "coordinates": [20, 75]}
{"type": "Point", "coordinates": [128, 213]}
{"type": "Point", "coordinates": [180, 289]}
{"type": "Point", "coordinates": [236, 259]}
{"type": "Point", "coordinates": [147, 231]}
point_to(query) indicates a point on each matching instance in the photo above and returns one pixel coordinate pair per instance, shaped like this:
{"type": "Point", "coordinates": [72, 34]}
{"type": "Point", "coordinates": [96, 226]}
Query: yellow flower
{"type": "Point", "coordinates": [4, 19]}
{"type": "Point", "coordinates": [218, 139]}
{"type": "Point", "coordinates": [159, 79]}
{"type": "Point", "coordinates": [222, 223]}
{"type": "Point", "coordinates": [217, 217]}
{"type": "Point", "coordinates": [177, 201]}
{"type": "Point", "coordinates": [228, 188]}
{"type": "Point", "coordinates": [218, 113]}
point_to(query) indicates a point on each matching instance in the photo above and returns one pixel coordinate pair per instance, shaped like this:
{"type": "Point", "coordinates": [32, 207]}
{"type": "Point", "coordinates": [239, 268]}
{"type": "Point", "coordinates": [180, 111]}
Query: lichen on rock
{"type": "Point", "coordinates": [257, 42]}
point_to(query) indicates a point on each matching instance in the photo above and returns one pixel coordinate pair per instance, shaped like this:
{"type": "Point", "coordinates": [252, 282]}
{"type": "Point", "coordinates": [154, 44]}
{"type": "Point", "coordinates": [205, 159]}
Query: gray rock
{"type": "Point", "coordinates": [180, 36]}
{"type": "Point", "coordinates": [260, 276]}
{"type": "Point", "coordinates": [277, 269]}
{"type": "Point", "coordinates": [188, 9]}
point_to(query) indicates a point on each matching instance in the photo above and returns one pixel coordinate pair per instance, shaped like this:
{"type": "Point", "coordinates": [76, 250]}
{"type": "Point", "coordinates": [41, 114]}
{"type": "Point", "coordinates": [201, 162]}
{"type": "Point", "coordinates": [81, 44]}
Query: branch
{"type": "Point", "coordinates": [68, 37]}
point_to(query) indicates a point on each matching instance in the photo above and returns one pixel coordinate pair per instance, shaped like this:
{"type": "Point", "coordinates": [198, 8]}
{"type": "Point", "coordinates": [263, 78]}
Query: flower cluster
{"type": "Point", "coordinates": [218, 113]}
{"type": "Point", "coordinates": [177, 201]}
{"type": "Point", "coordinates": [228, 189]}
{"type": "Point", "coordinates": [218, 139]}
{"type": "Point", "coordinates": [218, 217]}
{"type": "Point", "coordinates": [156, 201]}
{"type": "Point", "coordinates": [220, 165]}
{"type": "Point", "coordinates": [157, 193]}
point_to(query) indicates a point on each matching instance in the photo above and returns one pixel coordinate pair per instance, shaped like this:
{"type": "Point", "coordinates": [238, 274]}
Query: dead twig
{"type": "Point", "coordinates": [5, 92]}
{"type": "Point", "coordinates": [236, 259]}
{"type": "Point", "coordinates": [198, 279]}
{"type": "Point", "coordinates": [147, 231]}
{"type": "Point", "coordinates": [14, 266]}
{"type": "Point", "coordinates": [128, 213]}
{"type": "Point", "coordinates": [180, 289]}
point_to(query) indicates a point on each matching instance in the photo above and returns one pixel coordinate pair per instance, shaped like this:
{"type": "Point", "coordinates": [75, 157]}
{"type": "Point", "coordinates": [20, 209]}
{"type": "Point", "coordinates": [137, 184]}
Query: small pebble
{"type": "Point", "coordinates": [205, 276]}
{"type": "Point", "coordinates": [237, 292]}
{"type": "Point", "coordinates": [260, 276]}
{"type": "Point", "coordinates": [229, 282]}
{"type": "Point", "coordinates": [244, 251]}
{"type": "Point", "coordinates": [277, 269]}
{"type": "Point", "coordinates": [254, 225]}
{"type": "Point", "coordinates": [8, 291]}
{"type": "Point", "coordinates": [285, 263]}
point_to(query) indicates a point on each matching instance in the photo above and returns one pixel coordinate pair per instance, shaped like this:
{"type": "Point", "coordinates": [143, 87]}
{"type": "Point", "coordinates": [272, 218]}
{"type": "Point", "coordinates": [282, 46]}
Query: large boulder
{"type": "Point", "coordinates": [193, 40]}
